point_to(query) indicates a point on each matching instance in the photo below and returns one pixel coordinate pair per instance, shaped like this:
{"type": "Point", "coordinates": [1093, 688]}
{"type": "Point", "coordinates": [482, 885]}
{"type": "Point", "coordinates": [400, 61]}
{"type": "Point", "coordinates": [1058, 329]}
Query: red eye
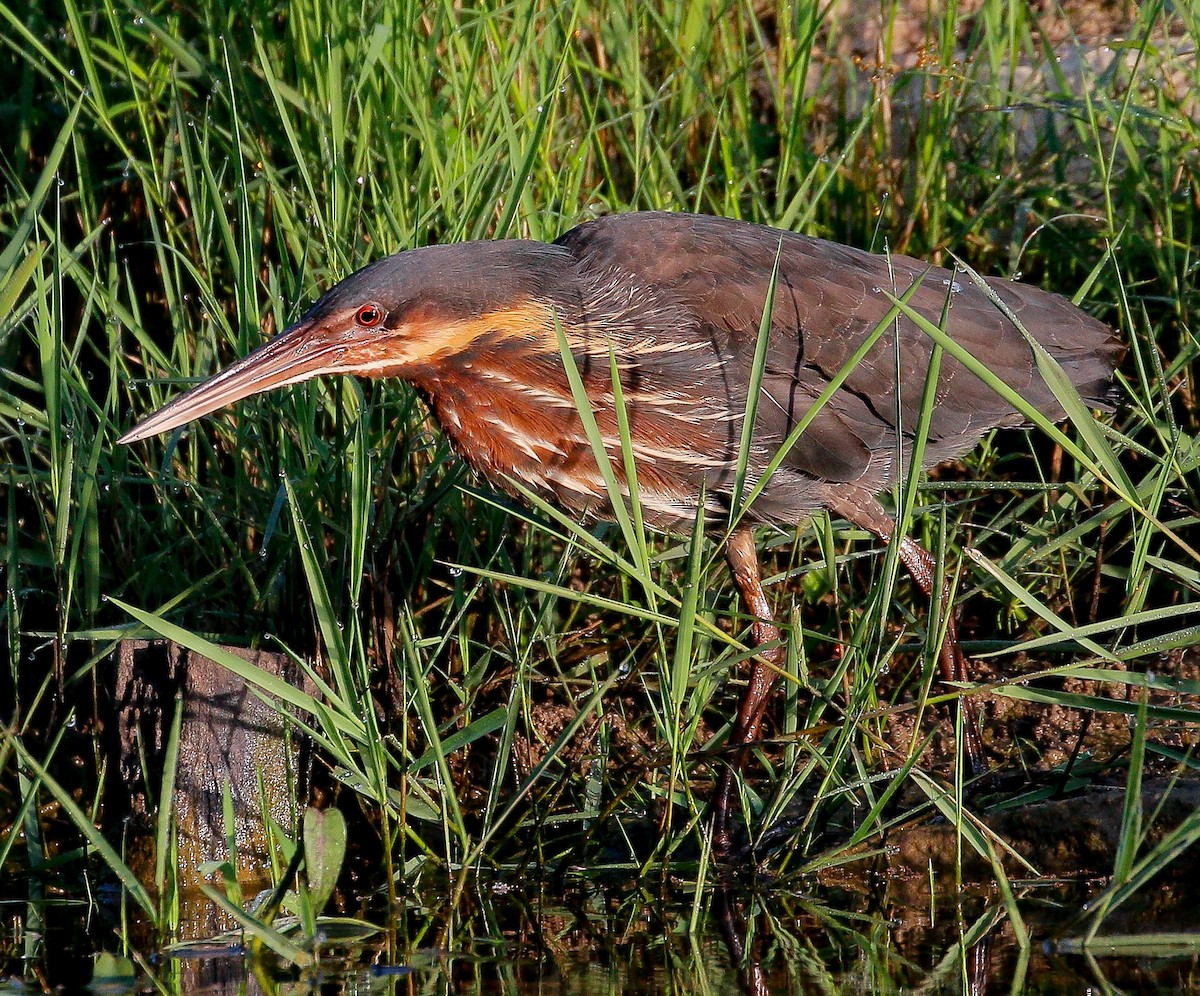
{"type": "Point", "coordinates": [369, 315]}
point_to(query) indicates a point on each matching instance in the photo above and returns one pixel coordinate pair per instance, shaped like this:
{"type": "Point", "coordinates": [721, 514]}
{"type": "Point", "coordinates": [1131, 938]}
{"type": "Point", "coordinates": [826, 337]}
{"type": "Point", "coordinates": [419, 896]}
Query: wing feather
{"type": "Point", "coordinates": [709, 278]}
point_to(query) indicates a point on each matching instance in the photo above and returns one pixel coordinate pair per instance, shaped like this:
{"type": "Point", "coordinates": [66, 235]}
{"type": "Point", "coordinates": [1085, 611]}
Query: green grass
{"type": "Point", "coordinates": [178, 185]}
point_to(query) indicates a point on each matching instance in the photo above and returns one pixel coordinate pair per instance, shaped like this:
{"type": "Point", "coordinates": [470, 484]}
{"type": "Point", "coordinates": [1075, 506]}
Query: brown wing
{"type": "Point", "coordinates": [829, 297]}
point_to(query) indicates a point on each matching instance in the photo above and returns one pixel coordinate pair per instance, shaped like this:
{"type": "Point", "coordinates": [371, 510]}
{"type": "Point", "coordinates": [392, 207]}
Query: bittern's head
{"type": "Point", "coordinates": [391, 318]}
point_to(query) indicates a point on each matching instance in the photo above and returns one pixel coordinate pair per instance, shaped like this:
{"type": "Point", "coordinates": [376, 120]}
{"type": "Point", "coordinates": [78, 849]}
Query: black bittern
{"type": "Point", "coordinates": [678, 301]}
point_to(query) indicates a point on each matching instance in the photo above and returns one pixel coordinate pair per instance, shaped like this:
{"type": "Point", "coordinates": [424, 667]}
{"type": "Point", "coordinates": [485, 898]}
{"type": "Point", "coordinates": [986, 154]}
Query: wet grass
{"type": "Point", "coordinates": [502, 690]}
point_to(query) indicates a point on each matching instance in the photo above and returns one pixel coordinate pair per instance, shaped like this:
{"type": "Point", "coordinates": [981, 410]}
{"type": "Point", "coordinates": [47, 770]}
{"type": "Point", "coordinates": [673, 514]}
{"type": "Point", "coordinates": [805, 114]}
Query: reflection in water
{"type": "Point", "coordinates": [580, 936]}
{"type": "Point", "coordinates": [737, 936]}
{"type": "Point", "coordinates": [978, 960]}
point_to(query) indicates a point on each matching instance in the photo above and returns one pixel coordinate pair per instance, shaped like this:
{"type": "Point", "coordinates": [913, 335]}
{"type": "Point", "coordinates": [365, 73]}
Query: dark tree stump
{"type": "Point", "coordinates": [229, 738]}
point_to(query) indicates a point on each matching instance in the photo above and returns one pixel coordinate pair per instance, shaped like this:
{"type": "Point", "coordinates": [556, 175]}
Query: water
{"type": "Point", "coordinates": [872, 932]}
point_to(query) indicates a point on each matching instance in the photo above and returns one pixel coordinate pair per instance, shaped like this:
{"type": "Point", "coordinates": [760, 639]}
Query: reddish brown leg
{"type": "Point", "coordinates": [870, 515]}
{"type": "Point", "coordinates": [743, 563]}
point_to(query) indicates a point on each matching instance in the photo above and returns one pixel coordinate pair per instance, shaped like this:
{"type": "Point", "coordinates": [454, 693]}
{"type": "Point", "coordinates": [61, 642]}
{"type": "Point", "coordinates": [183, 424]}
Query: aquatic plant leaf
{"type": "Point", "coordinates": [324, 851]}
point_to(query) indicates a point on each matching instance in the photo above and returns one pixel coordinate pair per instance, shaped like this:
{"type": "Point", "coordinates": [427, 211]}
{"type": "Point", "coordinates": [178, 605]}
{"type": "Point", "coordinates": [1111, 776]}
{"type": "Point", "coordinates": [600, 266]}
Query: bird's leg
{"type": "Point", "coordinates": [955, 667]}
{"type": "Point", "coordinates": [743, 564]}
{"type": "Point", "coordinates": [954, 664]}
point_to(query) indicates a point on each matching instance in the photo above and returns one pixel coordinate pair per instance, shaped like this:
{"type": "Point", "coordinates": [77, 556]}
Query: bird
{"type": "Point", "coordinates": [674, 303]}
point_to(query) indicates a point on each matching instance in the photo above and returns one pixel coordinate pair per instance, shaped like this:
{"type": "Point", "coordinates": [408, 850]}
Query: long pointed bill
{"type": "Point", "coordinates": [292, 356]}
